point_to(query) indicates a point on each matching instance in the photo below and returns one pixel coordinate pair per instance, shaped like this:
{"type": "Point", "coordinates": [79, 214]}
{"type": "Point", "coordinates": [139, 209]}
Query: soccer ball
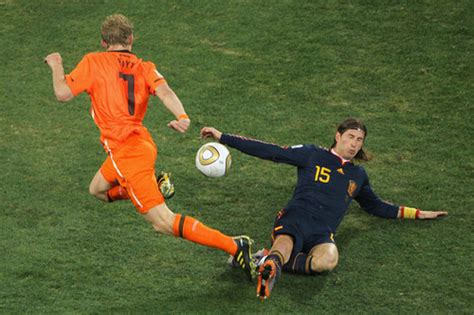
{"type": "Point", "coordinates": [213, 159]}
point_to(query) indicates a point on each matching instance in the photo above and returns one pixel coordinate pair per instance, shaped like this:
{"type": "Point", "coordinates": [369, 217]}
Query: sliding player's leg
{"type": "Point", "coordinates": [289, 232]}
{"type": "Point", "coordinates": [269, 268]}
{"type": "Point", "coordinates": [322, 256]}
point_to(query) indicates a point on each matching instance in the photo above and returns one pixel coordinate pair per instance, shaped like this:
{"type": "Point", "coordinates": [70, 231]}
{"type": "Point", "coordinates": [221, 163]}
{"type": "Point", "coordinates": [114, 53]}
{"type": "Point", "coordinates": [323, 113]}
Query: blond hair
{"type": "Point", "coordinates": [116, 30]}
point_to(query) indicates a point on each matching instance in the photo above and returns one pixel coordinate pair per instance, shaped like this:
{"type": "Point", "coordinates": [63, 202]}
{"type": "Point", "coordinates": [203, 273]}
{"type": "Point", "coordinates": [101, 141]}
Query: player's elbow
{"type": "Point", "coordinates": [62, 92]}
{"type": "Point", "coordinates": [63, 96]}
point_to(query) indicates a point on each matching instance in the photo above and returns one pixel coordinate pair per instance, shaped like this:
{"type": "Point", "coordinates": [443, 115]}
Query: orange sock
{"type": "Point", "coordinates": [194, 231]}
{"type": "Point", "coordinates": [117, 193]}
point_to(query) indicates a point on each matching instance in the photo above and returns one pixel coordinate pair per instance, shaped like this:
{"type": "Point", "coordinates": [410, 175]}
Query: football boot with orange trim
{"type": "Point", "coordinates": [268, 274]}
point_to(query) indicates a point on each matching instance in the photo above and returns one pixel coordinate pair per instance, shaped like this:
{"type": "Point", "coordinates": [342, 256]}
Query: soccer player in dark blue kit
{"type": "Point", "coordinates": [328, 180]}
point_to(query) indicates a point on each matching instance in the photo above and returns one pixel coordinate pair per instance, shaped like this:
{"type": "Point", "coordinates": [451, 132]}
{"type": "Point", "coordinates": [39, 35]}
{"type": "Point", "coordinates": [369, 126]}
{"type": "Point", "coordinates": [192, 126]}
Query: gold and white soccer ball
{"type": "Point", "coordinates": [213, 159]}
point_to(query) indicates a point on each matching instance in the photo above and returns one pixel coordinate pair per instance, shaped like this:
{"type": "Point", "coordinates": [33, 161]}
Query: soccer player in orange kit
{"type": "Point", "coordinates": [119, 85]}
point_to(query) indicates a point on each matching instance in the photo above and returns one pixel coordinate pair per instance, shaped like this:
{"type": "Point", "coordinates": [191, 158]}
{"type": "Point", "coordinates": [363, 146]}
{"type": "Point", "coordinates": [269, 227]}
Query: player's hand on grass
{"type": "Point", "coordinates": [427, 215]}
{"type": "Point", "coordinates": [180, 125]}
{"type": "Point", "coordinates": [53, 59]}
{"type": "Point", "coordinates": [210, 132]}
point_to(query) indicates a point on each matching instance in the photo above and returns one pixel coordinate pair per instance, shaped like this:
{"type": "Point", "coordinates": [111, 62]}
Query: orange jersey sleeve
{"type": "Point", "coordinates": [153, 77]}
{"type": "Point", "coordinates": [80, 79]}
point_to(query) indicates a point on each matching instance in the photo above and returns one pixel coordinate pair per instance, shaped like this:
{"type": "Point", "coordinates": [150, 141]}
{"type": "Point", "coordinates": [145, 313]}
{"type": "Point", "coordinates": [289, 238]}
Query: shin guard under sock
{"type": "Point", "coordinates": [196, 232]}
{"type": "Point", "coordinates": [300, 264]}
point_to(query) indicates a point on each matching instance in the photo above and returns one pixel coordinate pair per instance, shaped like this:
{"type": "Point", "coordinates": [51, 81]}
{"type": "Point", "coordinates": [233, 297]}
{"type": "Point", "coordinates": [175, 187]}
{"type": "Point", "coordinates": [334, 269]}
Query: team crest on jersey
{"type": "Point", "coordinates": [340, 170]}
{"type": "Point", "coordinates": [352, 188]}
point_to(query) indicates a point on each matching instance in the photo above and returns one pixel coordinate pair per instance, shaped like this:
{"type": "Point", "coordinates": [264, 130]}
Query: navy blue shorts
{"type": "Point", "coordinates": [303, 228]}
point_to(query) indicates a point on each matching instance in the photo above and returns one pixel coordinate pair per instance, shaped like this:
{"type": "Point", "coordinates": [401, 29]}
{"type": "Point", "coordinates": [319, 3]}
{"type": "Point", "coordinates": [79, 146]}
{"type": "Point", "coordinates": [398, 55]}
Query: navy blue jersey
{"type": "Point", "coordinates": [325, 186]}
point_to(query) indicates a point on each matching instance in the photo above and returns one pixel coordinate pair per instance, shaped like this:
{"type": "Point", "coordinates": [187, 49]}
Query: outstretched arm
{"type": "Point", "coordinates": [174, 105]}
{"type": "Point", "coordinates": [209, 132]}
{"type": "Point", "coordinates": [413, 213]}
{"type": "Point", "coordinates": [297, 155]}
{"type": "Point", "coordinates": [61, 89]}
{"type": "Point", "coordinates": [371, 203]}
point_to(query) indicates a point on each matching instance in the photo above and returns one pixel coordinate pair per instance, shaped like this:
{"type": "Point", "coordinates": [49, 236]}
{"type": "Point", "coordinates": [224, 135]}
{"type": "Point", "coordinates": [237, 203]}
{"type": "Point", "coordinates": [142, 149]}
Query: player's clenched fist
{"type": "Point", "coordinates": [180, 125]}
{"type": "Point", "coordinates": [53, 59]}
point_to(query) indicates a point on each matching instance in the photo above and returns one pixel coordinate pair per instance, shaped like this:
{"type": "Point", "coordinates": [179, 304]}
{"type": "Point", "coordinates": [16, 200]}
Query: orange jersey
{"type": "Point", "coordinates": [119, 85]}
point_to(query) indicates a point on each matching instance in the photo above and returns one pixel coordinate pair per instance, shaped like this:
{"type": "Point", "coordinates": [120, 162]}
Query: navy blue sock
{"type": "Point", "coordinates": [300, 264]}
{"type": "Point", "coordinates": [277, 257]}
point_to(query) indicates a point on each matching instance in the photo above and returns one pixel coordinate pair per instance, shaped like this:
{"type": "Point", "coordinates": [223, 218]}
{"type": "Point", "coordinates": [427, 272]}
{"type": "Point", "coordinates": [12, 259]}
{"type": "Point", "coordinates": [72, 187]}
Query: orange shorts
{"type": "Point", "coordinates": [132, 164]}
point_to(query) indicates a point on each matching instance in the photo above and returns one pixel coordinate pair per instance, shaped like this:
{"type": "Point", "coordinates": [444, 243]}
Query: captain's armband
{"type": "Point", "coordinates": [409, 213]}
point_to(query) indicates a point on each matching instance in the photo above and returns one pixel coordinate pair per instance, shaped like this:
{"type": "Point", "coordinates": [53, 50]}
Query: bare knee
{"type": "Point", "coordinates": [101, 195]}
{"type": "Point", "coordinates": [93, 190]}
{"type": "Point", "coordinates": [99, 187]}
{"type": "Point", "coordinates": [324, 257]}
{"type": "Point", "coordinates": [326, 262]}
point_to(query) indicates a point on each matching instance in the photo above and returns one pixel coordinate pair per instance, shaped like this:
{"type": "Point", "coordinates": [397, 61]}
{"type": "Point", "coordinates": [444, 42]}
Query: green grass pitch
{"type": "Point", "coordinates": [284, 71]}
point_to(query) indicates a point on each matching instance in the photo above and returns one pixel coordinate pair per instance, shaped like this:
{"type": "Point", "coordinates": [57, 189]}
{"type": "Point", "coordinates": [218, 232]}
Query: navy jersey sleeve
{"type": "Point", "coordinates": [372, 204]}
{"type": "Point", "coordinates": [296, 155]}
